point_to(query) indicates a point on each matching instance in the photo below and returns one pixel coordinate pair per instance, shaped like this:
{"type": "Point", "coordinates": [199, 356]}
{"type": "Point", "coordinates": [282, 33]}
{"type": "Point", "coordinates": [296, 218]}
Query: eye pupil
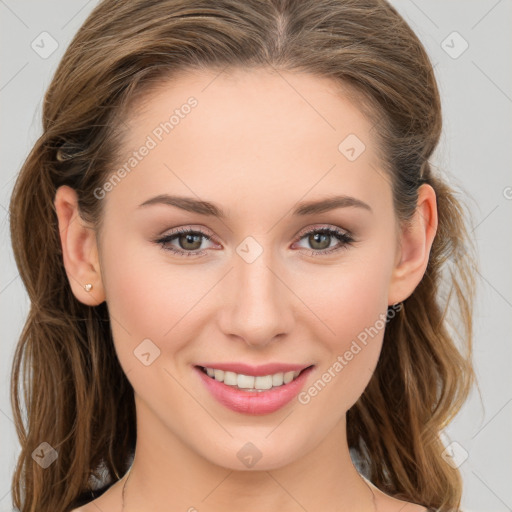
{"type": "Point", "coordinates": [314, 238]}
{"type": "Point", "coordinates": [189, 238]}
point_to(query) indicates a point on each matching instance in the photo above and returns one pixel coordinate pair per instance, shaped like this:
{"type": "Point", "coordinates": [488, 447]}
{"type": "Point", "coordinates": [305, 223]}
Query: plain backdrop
{"type": "Point", "coordinates": [470, 44]}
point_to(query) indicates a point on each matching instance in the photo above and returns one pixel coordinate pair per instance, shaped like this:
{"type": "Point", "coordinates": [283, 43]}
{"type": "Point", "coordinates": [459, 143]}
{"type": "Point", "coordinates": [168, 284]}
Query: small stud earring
{"type": "Point", "coordinates": [88, 287]}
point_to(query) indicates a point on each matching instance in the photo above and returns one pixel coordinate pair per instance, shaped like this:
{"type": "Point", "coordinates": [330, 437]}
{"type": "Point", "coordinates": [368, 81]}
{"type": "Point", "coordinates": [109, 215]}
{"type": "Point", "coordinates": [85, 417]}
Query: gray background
{"type": "Point", "coordinates": [474, 153]}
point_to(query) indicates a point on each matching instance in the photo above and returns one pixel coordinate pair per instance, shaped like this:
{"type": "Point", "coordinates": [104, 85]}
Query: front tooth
{"type": "Point", "coordinates": [245, 381]}
{"type": "Point", "coordinates": [277, 379]}
{"type": "Point", "coordinates": [263, 382]}
{"type": "Point", "coordinates": [288, 377]}
{"type": "Point", "coordinates": [230, 378]}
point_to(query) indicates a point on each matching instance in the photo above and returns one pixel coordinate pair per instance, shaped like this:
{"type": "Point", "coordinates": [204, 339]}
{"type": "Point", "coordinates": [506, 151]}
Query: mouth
{"type": "Point", "coordinates": [252, 383]}
{"type": "Point", "coordinates": [263, 392]}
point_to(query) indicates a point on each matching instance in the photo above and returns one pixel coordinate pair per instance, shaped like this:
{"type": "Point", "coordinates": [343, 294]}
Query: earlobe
{"type": "Point", "coordinates": [79, 249]}
{"type": "Point", "coordinates": [413, 253]}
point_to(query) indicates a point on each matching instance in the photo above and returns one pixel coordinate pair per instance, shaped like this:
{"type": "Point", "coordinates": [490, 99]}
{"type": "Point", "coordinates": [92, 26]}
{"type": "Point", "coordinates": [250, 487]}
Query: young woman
{"type": "Point", "coordinates": [240, 264]}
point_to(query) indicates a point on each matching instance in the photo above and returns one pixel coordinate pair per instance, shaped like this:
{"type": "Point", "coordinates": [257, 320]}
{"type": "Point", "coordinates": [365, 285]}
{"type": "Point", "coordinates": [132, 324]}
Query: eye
{"type": "Point", "coordinates": [321, 238]}
{"type": "Point", "coordinates": [189, 241]}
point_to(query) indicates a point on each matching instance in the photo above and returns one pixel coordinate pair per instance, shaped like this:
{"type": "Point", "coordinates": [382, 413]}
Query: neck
{"type": "Point", "coordinates": [170, 476]}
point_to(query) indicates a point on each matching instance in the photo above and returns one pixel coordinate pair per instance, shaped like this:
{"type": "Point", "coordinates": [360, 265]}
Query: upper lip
{"type": "Point", "coordinates": [256, 371]}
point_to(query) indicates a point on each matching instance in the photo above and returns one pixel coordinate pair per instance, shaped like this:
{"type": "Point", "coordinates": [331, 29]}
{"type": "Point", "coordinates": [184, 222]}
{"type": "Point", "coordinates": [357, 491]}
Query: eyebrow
{"type": "Point", "coordinates": [207, 208]}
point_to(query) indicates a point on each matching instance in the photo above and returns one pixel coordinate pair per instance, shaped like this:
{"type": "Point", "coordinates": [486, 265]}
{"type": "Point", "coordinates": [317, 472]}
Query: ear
{"type": "Point", "coordinates": [79, 248]}
{"type": "Point", "coordinates": [416, 238]}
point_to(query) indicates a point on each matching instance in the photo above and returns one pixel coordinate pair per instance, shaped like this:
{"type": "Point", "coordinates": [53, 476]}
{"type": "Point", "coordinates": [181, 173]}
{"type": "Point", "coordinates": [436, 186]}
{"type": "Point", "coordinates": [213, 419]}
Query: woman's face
{"type": "Point", "coordinates": [260, 284]}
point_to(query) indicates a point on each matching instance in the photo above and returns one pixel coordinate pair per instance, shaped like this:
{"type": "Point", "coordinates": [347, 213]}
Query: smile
{"type": "Point", "coordinates": [264, 393]}
{"type": "Point", "coordinates": [250, 382]}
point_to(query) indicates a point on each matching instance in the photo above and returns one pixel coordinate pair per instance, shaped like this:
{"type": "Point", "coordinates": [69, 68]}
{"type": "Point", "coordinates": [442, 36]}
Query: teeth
{"type": "Point", "coordinates": [263, 382]}
{"type": "Point", "coordinates": [230, 378]}
{"type": "Point", "coordinates": [277, 379]}
{"type": "Point", "coordinates": [288, 377]}
{"type": "Point", "coordinates": [244, 381]}
{"type": "Point", "coordinates": [251, 383]}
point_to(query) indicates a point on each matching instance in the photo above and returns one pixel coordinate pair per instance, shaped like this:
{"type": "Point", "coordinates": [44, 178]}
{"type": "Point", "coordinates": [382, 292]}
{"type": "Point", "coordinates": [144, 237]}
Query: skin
{"type": "Point", "coordinates": [254, 146]}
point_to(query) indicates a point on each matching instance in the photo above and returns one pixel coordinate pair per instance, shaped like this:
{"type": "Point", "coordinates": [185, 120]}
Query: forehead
{"type": "Point", "coordinates": [253, 130]}
{"type": "Point", "coordinates": [252, 99]}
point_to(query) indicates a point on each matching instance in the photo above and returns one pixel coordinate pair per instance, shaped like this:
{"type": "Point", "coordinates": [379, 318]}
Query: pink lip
{"type": "Point", "coordinates": [254, 402]}
{"type": "Point", "coordinates": [255, 371]}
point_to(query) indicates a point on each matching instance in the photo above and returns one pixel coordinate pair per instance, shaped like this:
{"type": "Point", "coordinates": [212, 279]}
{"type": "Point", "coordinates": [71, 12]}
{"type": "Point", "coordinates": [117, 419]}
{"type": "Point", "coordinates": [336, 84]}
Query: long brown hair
{"type": "Point", "coordinates": [77, 398]}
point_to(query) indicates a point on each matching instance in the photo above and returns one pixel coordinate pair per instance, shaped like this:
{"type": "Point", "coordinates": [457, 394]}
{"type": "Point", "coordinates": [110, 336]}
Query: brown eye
{"type": "Point", "coordinates": [191, 242]}
{"type": "Point", "coordinates": [320, 240]}
{"type": "Point", "coordinates": [188, 242]}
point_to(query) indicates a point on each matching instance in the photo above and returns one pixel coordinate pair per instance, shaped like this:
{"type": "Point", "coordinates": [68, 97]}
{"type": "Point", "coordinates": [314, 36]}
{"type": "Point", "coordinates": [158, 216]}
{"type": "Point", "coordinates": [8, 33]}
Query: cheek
{"type": "Point", "coordinates": [154, 308]}
{"type": "Point", "coordinates": [353, 310]}
{"type": "Point", "coordinates": [150, 298]}
{"type": "Point", "coordinates": [354, 296]}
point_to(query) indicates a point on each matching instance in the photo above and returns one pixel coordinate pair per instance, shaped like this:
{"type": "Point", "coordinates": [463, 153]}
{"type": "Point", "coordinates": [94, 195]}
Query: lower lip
{"type": "Point", "coordinates": [254, 402]}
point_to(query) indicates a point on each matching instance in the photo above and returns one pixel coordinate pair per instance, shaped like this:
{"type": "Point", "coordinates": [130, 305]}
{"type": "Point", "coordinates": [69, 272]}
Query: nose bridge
{"type": "Point", "coordinates": [259, 308]}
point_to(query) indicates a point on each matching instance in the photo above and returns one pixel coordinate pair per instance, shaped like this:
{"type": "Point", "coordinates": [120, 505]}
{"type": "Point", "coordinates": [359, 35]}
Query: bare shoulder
{"type": "Point", "coordinates": [412, 507]}
{"type": "Point", "coordinates": [387, 503]}
{"type": "Point", "coordinates": [104, 503]}
{"type": "Point", "coordinates": [93, 506]}
{"type": "Point", "coordinates": [394, 505]}
{"type": "Point", "coordinates": [89, 507]}
{"type": "Point", "coordinates": [104, 500]}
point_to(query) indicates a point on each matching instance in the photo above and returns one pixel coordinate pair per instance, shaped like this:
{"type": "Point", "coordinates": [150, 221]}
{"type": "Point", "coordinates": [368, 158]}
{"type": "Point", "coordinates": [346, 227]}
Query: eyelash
{"type": "Point", "coordinates": [344, 238]}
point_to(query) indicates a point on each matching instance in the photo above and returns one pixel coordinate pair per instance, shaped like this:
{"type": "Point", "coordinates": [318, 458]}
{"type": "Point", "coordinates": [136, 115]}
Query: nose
{"type": "Point", "coordinates": [258, 306]}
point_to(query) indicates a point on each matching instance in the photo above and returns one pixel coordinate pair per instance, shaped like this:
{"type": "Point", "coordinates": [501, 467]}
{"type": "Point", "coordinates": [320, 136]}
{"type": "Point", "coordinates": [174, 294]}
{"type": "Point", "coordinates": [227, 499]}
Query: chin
{"type": "Point", "coordinates": [257, 452]}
